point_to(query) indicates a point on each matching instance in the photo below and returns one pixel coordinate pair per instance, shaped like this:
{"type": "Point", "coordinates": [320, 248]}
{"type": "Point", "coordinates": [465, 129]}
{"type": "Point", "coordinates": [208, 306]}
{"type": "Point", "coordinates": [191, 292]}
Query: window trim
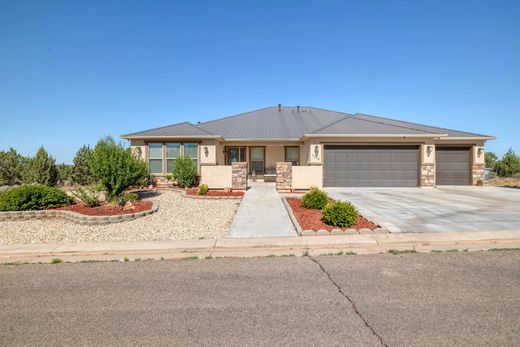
{"type": "Point", "coordinates": [148, 158]}
{"type": "Point", "coordinates": [164, 158]}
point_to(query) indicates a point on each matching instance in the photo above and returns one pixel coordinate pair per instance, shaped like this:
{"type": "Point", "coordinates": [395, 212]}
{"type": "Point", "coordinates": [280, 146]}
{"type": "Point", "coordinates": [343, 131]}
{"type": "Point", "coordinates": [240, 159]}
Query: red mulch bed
{"type": "Point", "coordinates": [108, 210]}
{"type": "Point", "coordinates": [195, 191]}
{"type": "Point", "coordinates": [311, 219]}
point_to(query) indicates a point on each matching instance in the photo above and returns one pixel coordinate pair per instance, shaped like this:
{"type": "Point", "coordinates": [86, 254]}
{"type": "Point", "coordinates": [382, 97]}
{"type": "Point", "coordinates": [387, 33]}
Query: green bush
{"type": "Point", "coordinates": [184, 171]}
{"type": "Point", "coordinates": [87, 196]}
{"type": "Point", "coordinates": [116, 167]}
{"type": "Point", "coordinates": [64, 173]}
{"type": "Point", "coordinates": [315, 199]}
{"type": "Point", "coordinates": [41, 169]}
{"type": "Point", "coordinates": [203, 189]}
{"type": "Point", "coordinates": [339, 214]}
{"type": "Point", "coordinates": [32, 197]}
{"type": "Point", "coordinates": [490, 159]}
{"type": "Point", "coordinates": [81, 171]}
{"type": "Point", "coordinates": [509, 165]}
{"type": "Point", "coordinates": [130, 196]}
{"type": "Point", "coordinates": [11, 167]}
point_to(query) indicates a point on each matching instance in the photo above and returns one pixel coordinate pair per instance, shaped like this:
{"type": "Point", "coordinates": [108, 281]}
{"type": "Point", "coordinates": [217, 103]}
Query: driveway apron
{"type": "Point", "coordinates": [262, 214]}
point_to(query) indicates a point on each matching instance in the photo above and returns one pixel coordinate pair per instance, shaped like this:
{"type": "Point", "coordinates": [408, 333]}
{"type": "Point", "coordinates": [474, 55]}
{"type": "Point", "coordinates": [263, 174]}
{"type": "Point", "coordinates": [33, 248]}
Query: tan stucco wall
{"type": "Point", "coordinates": [211, 157]}
{"type": "Point", "coordinates": [274, 154]}
{"type": "Point", "coordinates": [428, 153]}
{"type": "Point", "coordinates": [217, 177]}
{"type": "Point", "coordinates": [304, 177]}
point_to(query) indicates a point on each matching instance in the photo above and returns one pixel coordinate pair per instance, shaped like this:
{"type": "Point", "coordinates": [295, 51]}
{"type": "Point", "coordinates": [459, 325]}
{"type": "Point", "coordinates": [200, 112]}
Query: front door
{"type": "Point", "coordinates": [235, 154]}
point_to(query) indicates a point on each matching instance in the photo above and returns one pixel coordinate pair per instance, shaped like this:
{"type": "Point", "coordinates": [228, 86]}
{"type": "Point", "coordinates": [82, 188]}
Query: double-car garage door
{"type": "Point", "coordinates": [391, 166]}
{"type": "Point", "coordinates": [371, 166]}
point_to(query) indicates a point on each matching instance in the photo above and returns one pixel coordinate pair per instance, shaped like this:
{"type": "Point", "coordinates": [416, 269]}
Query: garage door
{"type": "Point", "coordinates": [371, 166]}
{"type": "Point", "coordinates": [452, 166]}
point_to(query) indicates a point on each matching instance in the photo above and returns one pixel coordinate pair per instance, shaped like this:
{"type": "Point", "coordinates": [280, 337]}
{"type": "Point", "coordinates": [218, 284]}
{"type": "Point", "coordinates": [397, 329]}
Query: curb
{"type": "Point", "coordinates": [75, 217]}
{"type": "Point", "coordinates": [255, 247]}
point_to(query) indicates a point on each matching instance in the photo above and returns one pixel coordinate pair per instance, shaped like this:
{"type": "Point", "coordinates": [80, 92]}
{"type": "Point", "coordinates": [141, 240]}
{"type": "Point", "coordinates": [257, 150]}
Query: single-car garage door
{"type": "Point", "coordinates": [452, 166]}
{"type": "Point", "coordinates": [371, 166]}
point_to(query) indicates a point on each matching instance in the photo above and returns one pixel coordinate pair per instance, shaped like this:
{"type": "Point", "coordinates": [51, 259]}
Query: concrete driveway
{"type": "Point", "coordinates": [437, 209]}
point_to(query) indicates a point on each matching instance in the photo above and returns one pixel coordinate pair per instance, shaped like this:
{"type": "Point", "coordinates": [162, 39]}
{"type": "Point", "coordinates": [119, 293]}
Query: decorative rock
{"type": "Point", "coordinates": [322, 232]}
{"type": "Point", "coordinates": [308, 233]}
{"type": "Point", "coordinates": [337, 232]}
{"type": "Point", "coordinates": [351, 231]}
{"type": "Point", "coordinates": [227, 190]}
{"type": "Point", "coordinates": [366, 231]}
{"type": "Point", "coordinates": [129, 206]}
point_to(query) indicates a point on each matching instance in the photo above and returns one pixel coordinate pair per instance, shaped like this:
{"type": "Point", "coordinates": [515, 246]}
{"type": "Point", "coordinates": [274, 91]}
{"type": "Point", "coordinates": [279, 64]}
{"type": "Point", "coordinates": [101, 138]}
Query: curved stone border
{"type": "Point", "coordinates": [75, 217]}
{"type": "Point", "coordinates": [183, 192]}
{"type": "Point", "coordinates": [323, 232]}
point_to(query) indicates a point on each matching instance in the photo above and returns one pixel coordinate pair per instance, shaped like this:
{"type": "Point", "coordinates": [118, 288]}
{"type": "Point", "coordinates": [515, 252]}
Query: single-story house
{"type": "Point", "coordinates": [301, 146]}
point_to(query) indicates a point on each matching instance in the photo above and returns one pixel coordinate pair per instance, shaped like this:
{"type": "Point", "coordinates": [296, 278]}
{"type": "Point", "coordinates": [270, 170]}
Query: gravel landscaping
{"type": "Point", "coordinates": [178, 218]}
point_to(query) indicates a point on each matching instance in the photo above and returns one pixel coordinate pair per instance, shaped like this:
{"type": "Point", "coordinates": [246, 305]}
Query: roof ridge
{"type": "Point", "coordinates": [236, 115]}
{"type": "Point", "coordinates": [393, 125]}
{"type": "Point", "coordinates": [331, 124]}
{"type": "Point", "coordinates": [412, 123]}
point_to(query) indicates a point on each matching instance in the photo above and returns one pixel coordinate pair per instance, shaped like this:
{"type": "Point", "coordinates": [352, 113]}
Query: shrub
{"type": "Point", "coordinates": [64, 173]}
{"type": "Point", "coordinates": [184, 171]}
{"type": "Point", "coordinates": [11, 166]}
{"type": "Point", "coordinates": [315, 199]}
{"type": "Point", "coordinates": [490, 159]}
{"type": "Point", "coordinates": [509, 165]}
{"type": "Point", "coordinates": [41, 169]}
{"type": "Point", "coordinates": [339, 214]}
{"type": "Point", "coordinates": [130, 196]}
{"type": "Point", "coordinates": [32, 197]}
{"type": "Point", "coordinates": [87, 196]}
{"type": "Point", "coordinates": [81, 171]}
{"type": "Point", "coordinates": [116, 168]}
{"type": "Point", "coordinates": [203, 189]}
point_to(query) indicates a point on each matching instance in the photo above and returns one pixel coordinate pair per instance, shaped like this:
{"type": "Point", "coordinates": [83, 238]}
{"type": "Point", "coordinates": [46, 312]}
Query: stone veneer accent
{"type": "Point", "coordinates": [284, 176]}
{"type": "Point", "coordinates": [478, 172]}
{"type": "Point", "coordinates": [75, 217]}
{"type": "Point", "coordinates": [428, 175]}
{"type": "Point", "coordinates": [239, 176]}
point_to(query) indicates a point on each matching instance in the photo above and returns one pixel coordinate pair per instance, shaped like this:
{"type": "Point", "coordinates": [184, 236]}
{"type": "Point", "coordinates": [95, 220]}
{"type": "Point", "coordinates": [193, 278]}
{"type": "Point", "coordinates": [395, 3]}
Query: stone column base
{"type": "Point", "coordinates": [283, 176]}
{"type": "Point", "coordinates": [428, 175]}
{"type": "Point", "coordinates": [478, 172]}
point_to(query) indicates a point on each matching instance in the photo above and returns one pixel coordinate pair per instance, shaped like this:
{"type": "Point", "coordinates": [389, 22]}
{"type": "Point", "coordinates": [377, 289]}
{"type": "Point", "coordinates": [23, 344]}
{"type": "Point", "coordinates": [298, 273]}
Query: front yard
{"type": "Point", "coordinates": [178, 218]}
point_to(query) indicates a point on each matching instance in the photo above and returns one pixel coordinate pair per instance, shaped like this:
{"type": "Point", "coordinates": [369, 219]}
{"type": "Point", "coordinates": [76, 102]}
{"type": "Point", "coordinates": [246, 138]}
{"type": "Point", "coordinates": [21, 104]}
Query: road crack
{"type": "Point", "coordinates": [352, 303]}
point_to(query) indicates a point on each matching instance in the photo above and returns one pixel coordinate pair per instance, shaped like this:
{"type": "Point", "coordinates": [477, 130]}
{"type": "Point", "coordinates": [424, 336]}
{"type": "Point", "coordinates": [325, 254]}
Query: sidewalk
{"type": "Point", "coordinates": [262, 214]}
{"type": "Point", "coordinates": [251, 247]}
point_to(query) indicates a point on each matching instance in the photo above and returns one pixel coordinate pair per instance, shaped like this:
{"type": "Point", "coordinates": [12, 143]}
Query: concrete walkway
{"type": "Point", "coordinates": [262, 214]}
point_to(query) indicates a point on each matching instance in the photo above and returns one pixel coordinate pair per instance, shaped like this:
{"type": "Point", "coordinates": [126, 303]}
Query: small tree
{"type": "Point", "coordinates": [81, 171]}
{"type": "Point", "coordinates": [491, 159]}
{"type": "Point", "coordinates": [41, 169]}
{"type": "Point", "coordinates": [11, 167]}
{"type": "Point", "coordinates": [184, 171]}
{"type": "Point", "coordinates": [509, 165]}
{"type": "Point", "coordinates": [115, 167]}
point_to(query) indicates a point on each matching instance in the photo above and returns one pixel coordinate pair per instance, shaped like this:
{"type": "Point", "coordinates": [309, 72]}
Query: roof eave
{"type": "Point", "coordinates": [254, 139]}
{"type": "Point", "coordinates": [138, 137]}
{"type": "Point", "coordinates": [470, 138]}
{"type": "Point", "coordinates": [307, 136]}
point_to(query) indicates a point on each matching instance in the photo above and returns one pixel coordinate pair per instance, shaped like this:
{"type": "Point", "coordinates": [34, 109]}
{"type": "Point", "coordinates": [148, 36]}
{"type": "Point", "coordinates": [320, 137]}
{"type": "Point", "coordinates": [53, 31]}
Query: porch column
{"type": "Point", "coordinates": [478, 165]}
{"type": "Point", "coordinates": [427, 165]}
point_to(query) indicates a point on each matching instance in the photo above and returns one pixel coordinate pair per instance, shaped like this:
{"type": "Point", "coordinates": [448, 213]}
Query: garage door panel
{"type": "Point", "coordinates": [452, 166]}
{"type": "Point", "coordinates": [371, 166]}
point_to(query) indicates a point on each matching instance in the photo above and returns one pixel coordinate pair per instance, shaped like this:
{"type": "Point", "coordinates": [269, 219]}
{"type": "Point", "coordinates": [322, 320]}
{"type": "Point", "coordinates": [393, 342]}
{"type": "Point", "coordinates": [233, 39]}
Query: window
{"type": "Point", "coordinates": [257, 159]}
{"type": "Point", "coordinates": [235, 154]}
{"type": "Point", "coordinates": [155, 155]}
{"type": "Point", "coordinates": [292, 154]}
{"type": "Point", "coordinates": [192, 150]}
{"type": "Point", "coordinates": [173, 151]}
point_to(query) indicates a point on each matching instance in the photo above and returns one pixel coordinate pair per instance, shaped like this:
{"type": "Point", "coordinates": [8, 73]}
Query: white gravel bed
{"type": "Point", "coordinates": [178, 218]}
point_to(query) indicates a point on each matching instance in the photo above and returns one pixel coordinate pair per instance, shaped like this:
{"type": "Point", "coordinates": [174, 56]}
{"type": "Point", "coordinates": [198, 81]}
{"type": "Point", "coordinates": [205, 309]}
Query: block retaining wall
{"type": "Point", "coordinates": [75, 217]}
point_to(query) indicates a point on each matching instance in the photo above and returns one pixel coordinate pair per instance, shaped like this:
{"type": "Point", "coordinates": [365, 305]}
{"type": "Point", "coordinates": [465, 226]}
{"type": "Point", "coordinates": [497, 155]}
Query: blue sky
{"type": "Point", "coordinates": [74, 71]}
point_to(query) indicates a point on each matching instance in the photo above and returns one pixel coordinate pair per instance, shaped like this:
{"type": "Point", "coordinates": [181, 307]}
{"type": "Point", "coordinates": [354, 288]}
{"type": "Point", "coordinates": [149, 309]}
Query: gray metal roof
{"type": "Point", "coordinates": [290, 122]}
{"type": "Point", "coordinates": [176, 130]}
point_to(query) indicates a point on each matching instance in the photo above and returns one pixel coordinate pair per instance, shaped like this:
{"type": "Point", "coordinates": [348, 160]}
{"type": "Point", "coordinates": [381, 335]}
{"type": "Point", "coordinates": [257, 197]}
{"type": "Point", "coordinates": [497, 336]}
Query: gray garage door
{"type": "Point", "coordinates": [371, 166]}
{"type": "Point", "coordinates": [452, 166]}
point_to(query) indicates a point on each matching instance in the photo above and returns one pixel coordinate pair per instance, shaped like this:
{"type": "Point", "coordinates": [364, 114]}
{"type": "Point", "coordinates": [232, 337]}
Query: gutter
{"type": "Point", "coordinates": [403, 136]}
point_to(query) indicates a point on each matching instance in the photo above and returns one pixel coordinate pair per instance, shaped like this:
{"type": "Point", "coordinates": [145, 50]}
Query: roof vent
{"type": "Point", "coordinates": [279, 107]}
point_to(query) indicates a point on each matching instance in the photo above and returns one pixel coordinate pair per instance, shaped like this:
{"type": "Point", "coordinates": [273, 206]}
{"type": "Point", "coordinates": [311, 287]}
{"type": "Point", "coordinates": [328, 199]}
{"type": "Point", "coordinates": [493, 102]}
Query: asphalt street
{"type": "Point", "coordinates": [425, 299]}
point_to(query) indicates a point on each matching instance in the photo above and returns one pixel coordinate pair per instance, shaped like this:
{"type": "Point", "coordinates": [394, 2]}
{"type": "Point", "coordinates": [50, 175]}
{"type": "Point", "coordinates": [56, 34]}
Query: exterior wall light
{"type": "Point", "coordinates": [429, 150]}
{"type": "Point", "coordinates": [480, 151]}
{"type": "Point", "coordinates": [206, 151]}
{"type": "Point", "coordinates": [316, 151]}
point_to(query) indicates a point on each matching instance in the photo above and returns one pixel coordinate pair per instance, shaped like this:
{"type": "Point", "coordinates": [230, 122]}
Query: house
{"type": "Point", "coordinates": [302, 147]}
